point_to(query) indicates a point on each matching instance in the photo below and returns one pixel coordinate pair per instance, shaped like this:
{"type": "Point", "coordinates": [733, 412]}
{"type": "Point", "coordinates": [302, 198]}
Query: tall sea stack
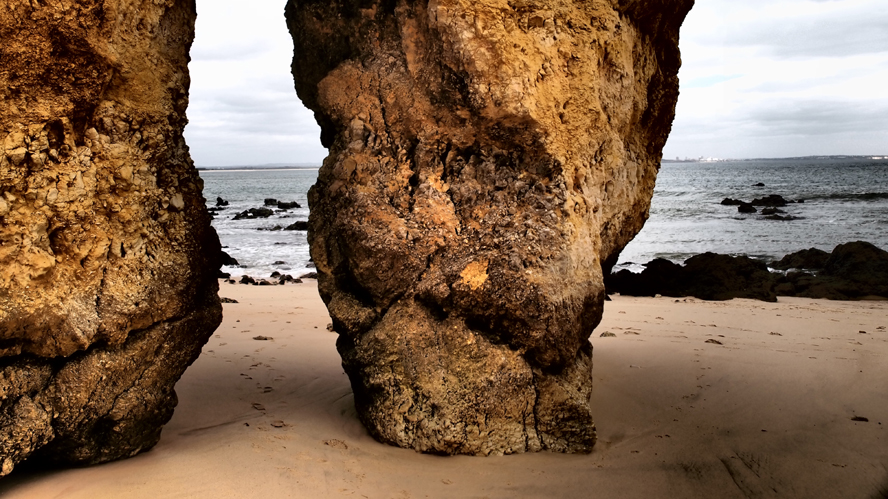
{"type": "Point", "coordinates": [107, 257]}
{"type": "Point", "coordinates": [488, 162]}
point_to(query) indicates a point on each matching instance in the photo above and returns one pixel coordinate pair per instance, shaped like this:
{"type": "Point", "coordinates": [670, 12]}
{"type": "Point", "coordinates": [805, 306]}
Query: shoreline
{"type": "Point", "coordinates": [769, 412]}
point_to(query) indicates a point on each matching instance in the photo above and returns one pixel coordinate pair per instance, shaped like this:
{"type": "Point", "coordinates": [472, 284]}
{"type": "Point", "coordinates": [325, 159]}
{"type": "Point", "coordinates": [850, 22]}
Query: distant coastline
{"type": "Point", "coordinates": [314, 166]}
{"type": "Point", "coordinates": [274, 166]}
{"type": "Point", "coordinates": [874, 157]}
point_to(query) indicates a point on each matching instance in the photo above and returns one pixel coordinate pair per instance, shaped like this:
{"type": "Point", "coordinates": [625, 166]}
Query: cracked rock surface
{"type": "Point", "coordinates": [488, 160]}
{"type": "Point", "coordinates": [107, 257]}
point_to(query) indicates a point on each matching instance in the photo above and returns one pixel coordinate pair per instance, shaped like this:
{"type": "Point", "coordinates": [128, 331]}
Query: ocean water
{"type": "Point", "coordinates": [257, 251]}
{"type": "Point", "coordinates": [845, 200]}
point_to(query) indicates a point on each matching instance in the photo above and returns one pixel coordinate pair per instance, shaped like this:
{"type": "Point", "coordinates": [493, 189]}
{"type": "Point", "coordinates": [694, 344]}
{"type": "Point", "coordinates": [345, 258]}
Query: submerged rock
{"type": "Point", "coordinates": [108, 262]}
{"type": "Point", "coordinates": [746, 208]}
{"type": "Point", "coordinates": [772, 200]}
{"type": "Point", "coordinates": [254, 213]}
{"type": "Point", "coordinates": [488, 162]}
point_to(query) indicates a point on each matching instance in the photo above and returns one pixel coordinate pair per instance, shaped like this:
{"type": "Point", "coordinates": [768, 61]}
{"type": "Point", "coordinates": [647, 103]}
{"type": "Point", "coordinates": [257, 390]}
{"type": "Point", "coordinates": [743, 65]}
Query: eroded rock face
{"type": "Point", "coordinates": [487, 161]}
{"type": "Point", "coordinates": [107, 258]}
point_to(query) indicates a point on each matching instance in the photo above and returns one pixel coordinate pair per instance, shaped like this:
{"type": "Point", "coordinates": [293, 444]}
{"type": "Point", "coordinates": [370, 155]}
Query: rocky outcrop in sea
{"type": "Point", "coordinates": [488, 162]}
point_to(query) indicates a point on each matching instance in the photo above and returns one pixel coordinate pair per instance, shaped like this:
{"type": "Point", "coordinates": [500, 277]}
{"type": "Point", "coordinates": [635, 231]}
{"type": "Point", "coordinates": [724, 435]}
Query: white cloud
{"type": "Point", "coordinates": [243, 107]}
{"type": "Point", "coordinates": [783, 78]}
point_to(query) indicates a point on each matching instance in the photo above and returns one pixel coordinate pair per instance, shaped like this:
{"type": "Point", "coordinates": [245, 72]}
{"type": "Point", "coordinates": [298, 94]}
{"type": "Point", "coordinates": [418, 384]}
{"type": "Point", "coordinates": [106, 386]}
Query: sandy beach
{"type": "Point", "coordinates": [793, 402]}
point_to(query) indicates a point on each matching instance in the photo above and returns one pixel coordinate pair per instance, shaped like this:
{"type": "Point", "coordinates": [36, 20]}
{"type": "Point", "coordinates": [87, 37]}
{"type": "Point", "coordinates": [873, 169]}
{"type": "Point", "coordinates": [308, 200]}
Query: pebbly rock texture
{"type": "Point", "coordinates": [107, 257]}
{"type": "Point", "coordinates": [487, 161]}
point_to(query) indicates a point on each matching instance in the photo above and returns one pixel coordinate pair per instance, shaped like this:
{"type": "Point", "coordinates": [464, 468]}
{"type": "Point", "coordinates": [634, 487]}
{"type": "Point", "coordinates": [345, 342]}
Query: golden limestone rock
{"type": "Point", "coordinates": [488, 162]}
{"type": "Point", "coordinates": [107, 258]}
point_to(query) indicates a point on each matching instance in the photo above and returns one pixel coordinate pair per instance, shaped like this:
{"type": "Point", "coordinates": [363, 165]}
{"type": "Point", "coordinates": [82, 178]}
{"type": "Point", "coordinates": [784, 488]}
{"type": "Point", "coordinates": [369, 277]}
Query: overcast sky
{"type": "Point", "coordinates": [761, 78]}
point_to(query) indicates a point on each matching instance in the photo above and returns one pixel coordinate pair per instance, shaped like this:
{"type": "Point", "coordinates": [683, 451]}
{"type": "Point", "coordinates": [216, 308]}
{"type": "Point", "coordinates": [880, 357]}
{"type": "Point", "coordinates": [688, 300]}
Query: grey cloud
{"type": "Point", "coordinates": [854, 32]}
{"type": "Point", "coordinates": [817, 118]}
{"type": "Point", "coordinates": [810, 83]}
{"type": "Point", "coordinates": [248, 126]}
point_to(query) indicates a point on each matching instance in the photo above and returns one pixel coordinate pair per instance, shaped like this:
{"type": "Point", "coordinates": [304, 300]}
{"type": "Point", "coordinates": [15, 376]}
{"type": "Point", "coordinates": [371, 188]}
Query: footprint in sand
{"type": "Point", "coordinates": [336, 444]}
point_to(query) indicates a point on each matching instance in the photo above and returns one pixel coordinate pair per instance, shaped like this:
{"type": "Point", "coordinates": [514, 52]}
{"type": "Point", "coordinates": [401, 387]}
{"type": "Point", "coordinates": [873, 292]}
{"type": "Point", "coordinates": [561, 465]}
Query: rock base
{"type": "Point", "coordinates": [100, 405]}
{"type": "Point", "coordinates": [436, 386]}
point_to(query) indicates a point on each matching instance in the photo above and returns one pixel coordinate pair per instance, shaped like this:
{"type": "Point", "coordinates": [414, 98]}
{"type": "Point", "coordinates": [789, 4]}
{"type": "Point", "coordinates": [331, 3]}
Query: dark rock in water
{"type": "Point", "coordinates": [660, 276]}
{"type": "Point", "coordinates": [760, 184]}
{"type": "Point", "coordinates": [289, 279]}
{"type": "Point", "coordinates": [708, 276]}
{"type": "Point", "coordinates": [731, 202]}
{"type": "Point", "coordinates": [254, 213]}
{"type": "Point", "coordinates": [221, 202]}
{"type": "Point", "coordinates": [222, 275]}
{"type": "Point", "coordinates": [283, 205]}
{"type": "Point", "coordinates": [276, 228]}
{"type": "Point", "coordinates": [247, 280]}
{"type": "Point", "coordinates": [279, 262]}
{"type": "Point", "coordinates": [746, 208]}
{"type": "Point", "coordinates": [772, 211]}
{"type": "Point", "coordinates": [784, 218]}
{"type": "Point", "coordinates": [227, 260]}
{"type": "Point", "coordinates": [275, 274]}
{"type": "Point", "coordinates": [711, 276]}
{"type": "Point", "coordinates": [772, 200]}
{"type": "Point", "coordinates": [853, 270]}
{"type": "Point", "coordinates": [805, 259]}
{"type": "Point", "coordinates": [310, 275]}
{"type": "Point", "coordinates": [302, 225]}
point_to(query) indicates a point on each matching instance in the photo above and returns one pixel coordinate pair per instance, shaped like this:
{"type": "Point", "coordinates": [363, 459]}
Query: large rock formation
{"type": "Point", "coordinates": [107, 258]}
{"type": "Point", "coordinates": [487, 161]}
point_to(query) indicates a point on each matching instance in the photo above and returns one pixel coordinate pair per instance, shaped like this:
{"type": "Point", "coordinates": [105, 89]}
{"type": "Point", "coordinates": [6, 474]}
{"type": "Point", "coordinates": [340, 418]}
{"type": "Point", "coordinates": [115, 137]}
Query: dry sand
{"type": "Point", "coordinates": [768, 413]}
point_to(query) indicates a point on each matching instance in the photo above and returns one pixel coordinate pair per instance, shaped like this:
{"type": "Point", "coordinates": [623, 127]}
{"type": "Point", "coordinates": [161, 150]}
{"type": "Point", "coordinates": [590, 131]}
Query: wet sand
{"type": "Point", "coordinates": [793, 402]}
